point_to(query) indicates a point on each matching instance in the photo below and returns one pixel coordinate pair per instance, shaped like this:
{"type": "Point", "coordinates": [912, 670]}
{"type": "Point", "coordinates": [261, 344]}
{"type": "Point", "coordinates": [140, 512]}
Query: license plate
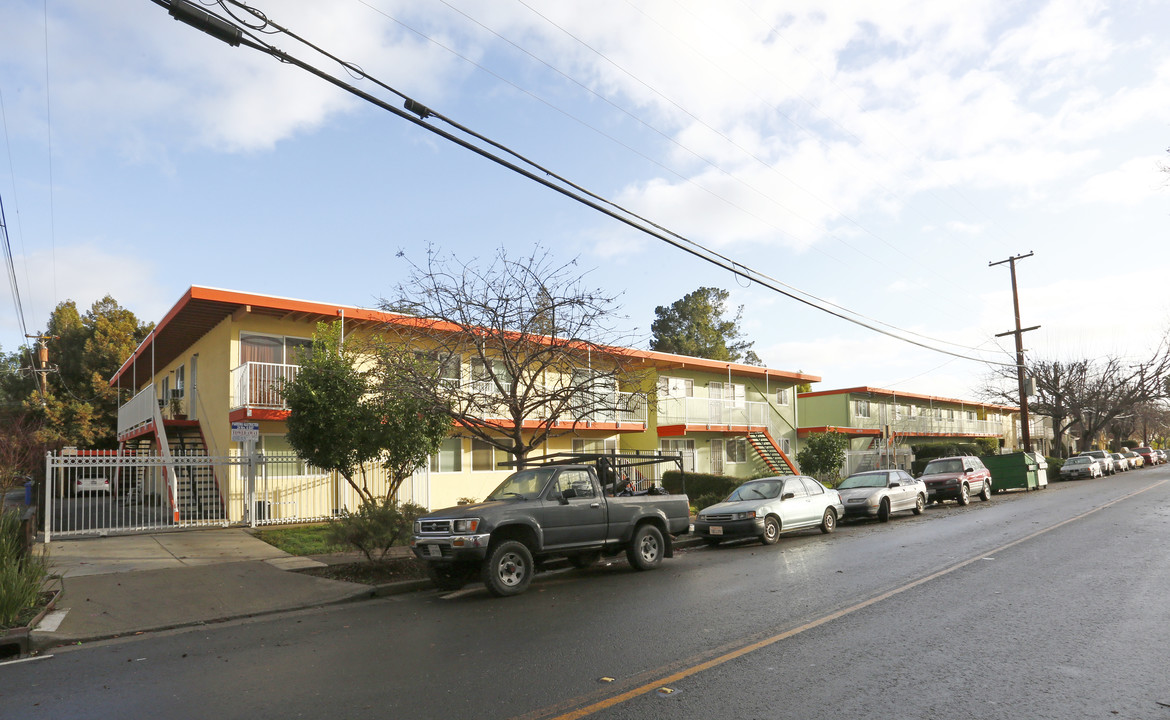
{"type": "Point", "coordinates": [716, 530]}
{"type": "Point", "coordinates": [434, 551]}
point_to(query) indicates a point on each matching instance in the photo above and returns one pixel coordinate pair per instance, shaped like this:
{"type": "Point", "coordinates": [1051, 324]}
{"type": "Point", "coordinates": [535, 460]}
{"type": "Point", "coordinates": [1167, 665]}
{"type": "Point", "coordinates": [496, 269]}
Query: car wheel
{"type": "Point", "coordinates": [884, 511]}
{"type": "Point", "coordinates": [985, 494]}
{"type": "Point", "coordinates": [965, 495]}
{"type": "Point", "coordinates": [771, 531]}
{"type": "Point", "coordinates": [449, 576]}
{"type": "Point", "coordinates": [645, 550]}
{"type": "Point", "coordinates": [509, 569]}
{"type": "Point", "coordinates": [584, 560]}
{"type": "Point", "coordinates": [919, 504]}
{"type": "Point", "coordinates": [829, 521]}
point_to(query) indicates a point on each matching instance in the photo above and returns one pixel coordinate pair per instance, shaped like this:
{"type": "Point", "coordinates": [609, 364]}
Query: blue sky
{"type": "Point", "coordinates": [878, 156]}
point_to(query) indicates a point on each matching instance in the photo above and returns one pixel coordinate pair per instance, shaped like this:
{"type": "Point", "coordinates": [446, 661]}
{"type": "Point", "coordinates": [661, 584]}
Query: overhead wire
{"type": "Point", "coordinates": [418, 113]}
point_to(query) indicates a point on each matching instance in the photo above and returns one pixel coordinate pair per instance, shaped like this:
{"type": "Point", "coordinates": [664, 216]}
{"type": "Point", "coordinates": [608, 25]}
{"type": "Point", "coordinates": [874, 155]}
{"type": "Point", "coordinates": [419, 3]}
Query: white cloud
{"type": "Point", "coordinates": [1133, 182]}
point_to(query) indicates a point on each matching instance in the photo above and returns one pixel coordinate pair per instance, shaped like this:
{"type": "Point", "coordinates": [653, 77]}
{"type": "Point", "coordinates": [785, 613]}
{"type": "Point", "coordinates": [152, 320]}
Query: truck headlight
{"type": "Point", "coordinates": [466, 526]}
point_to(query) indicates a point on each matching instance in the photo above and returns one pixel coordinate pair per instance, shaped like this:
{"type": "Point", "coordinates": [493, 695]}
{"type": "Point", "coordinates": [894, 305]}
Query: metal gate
{"type": "Point", "coordinates": [107, 494]}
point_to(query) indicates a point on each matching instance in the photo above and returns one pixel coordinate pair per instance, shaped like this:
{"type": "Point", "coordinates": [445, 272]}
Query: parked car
{"type": "Point", "coordinates": [1135, 460]}
{"type": "Point", "coordinates": [1148, 455]}
{"type": "Point", "coordinates": [877, 493]}
{"type": "Point", "coordinates": [90, 481]}
{"type": "Point", "coordinates": [1120, 461]}
{"type": "Point", "coordinates": [1106, 460]}
{"type": "Point", "coordinates": [769, 506]}
{"type": "Point", "coordinates": [956, 478]}
{"type": "Point", "coordinates": [1161, 454]}
{"type": "Point", "coordinates": [1080, 466]}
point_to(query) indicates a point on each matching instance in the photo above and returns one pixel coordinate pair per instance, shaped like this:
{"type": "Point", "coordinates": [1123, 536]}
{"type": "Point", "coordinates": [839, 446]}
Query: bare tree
{"type": "Point", "coordinates": [519, 349]}
{"type": "Point", "coordinates": [1087, 395]}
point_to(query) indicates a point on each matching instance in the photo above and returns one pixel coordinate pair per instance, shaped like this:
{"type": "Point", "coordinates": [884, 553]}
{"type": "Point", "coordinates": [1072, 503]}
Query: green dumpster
{"type": "Point", "coordinates": [1013, 470]}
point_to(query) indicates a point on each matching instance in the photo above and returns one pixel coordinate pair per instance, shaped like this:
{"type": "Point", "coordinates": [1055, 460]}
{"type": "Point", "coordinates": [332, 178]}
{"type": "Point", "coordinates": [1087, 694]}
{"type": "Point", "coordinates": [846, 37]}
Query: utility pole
{"type": "Point", "coordinates": [1019, 333]}
{"type": "Point", "coordinates": [42, 360]}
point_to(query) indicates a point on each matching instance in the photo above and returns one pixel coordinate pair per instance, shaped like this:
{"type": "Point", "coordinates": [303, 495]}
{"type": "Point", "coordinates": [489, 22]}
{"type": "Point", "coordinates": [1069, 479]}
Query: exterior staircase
{"type": "Point", "coordinates": [196, 487]}
{"type": "Point", "coordinates": [766, 447]}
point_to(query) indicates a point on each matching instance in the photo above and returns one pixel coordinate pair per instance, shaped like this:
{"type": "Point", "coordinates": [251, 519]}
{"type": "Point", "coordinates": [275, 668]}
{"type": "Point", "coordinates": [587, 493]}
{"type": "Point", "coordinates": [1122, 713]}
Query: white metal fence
{"type": "Point", "coordinates": [127, 493]}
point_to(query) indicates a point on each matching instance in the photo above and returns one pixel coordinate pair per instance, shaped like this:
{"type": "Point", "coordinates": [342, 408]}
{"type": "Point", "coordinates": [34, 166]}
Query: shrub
{"type": "Point", "coordinates": [698, 485]}
{"type": "Point", "coordinates": [21, 574]}
{"type": "Point", "coordinates": [1054, 465]}
{"type": "Point", "coordinates": [822, 456]}
{"type": "Point", "coordinates": [705, 501]}
{"type": "Point", "coordinates": [375, 527]}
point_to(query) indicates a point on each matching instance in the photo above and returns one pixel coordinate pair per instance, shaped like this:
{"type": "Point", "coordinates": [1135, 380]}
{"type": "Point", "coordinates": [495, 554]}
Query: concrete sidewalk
{"type": "Point", "coordinates": [117, 586]}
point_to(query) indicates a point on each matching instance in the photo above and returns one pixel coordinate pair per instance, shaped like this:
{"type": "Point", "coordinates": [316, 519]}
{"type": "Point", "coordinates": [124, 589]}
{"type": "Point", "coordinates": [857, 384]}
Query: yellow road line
{"type": "Point", "coordinates": [759, 645]}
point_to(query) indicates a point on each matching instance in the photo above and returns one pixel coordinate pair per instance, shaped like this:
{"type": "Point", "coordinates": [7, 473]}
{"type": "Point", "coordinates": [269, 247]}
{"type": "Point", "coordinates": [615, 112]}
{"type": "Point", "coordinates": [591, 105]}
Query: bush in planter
{"type": "Point", "coordinates": [375, 527]}
{"type": "Point", "coordinates": [21, 574]}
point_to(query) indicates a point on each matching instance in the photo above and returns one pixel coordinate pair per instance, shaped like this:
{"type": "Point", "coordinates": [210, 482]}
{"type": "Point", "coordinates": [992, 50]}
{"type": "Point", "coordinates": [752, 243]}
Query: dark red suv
{"type": "Point", "coordinates": [957, 478]}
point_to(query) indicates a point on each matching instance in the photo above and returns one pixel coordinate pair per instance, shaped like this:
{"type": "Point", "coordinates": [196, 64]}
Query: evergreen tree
{"type": "Point", "coordinates": [696, 326]}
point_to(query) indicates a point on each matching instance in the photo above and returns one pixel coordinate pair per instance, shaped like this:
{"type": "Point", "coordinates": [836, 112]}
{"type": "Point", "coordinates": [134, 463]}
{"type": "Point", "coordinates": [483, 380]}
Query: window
{"type": "Point", "coordinates": [595, 445]}
{"type": "Point", "coordinates": [449, 458]}
{"type": "Point", "coordinates": [796, 487]}
{"type": "Point", "coordinates": [950, 414]}
{"type": "Point", "coordinates": [737, 450]}
{"type": "Point", "coordinates": [971, 415]}
{"type": "Point", "coordinates": [576, 480]}
{"type": "Point", "coordinates": [486, 376]}
{"type": "Point", "coordinates": [862, 408]}
{"type": "Point", "coordinates": [447, 365]}
{"type": "Point", "coordinates": [812, 487]}
{"type": "Point", "coordinates": [676, 387]}
{"type": "Point", "coordinates": [180, 380]}
{"type": "Point", "coordinates": [736, 394]}
{"type": "Point", "coordinates": [782, 396]}
{"type": "Point", "coordinates": [279, 457]}
{"type": "Point", "coordinates": [485, 456]}
{"type": "Point", "coordinates": [785, 445]}
{"type": "Point", "coordinates": [165, 388]}
{"type": "Point", "coordinates": [273, 349]}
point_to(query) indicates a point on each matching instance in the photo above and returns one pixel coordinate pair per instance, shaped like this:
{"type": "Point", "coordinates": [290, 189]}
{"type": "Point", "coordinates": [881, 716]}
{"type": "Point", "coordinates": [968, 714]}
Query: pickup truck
{"type": "Point", "coordinates": [557, 506]}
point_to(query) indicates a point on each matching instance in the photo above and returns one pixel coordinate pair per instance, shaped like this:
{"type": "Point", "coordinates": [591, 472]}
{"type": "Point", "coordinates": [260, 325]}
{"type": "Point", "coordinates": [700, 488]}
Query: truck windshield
{"type": "Point", "coordinates": [525, 484]}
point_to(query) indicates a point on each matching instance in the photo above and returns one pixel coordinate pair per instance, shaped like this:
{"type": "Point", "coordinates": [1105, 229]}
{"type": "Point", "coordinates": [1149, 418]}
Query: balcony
{"type": "Point", "coordinates": [714, 413]}
{"type": "Point", "coordinates": [138, 412]}
{"type": "Point", "coordinates": [931, 425]}
{"type": "Point", "coordinates": [256, 385]}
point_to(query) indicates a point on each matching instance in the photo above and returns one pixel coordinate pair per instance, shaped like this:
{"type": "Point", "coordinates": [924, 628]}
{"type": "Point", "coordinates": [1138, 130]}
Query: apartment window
{"type": "Point", "coordinates": [485, 376]}
{"type": "Point", "coordinates": [447, 365]}
{"type": "Point", "coordinates": [165, 387]}
{"type": "Point", "coordinates": [279, 457]}
{"type": "Point", "coordinates": [786, 445]}
{"type": "Point", "coordinates": [180, 380]}
{"type": "Point", "coordinates": [861, 408]}
{"type": "Point", "coordinates": [676, 387]}
{"type": "Point", "coordinates": [275, 349]}
{"type": "Point", "coordinates": [449, 458]}
{"type": "Point", "coordinates": [485, 456]}
{"type": "Point", "coordinates": [737, 394]}
{"type": "Point", "coordinates": [782, 396]}
{"type": "Point", "coordinates": [595, 445]}
{"type": "Point", "coordinates": [971, 415]}
{"type": "Point", "coordinates": [736, 450]}
{"type": "Point", "coordinates": [950, 414]}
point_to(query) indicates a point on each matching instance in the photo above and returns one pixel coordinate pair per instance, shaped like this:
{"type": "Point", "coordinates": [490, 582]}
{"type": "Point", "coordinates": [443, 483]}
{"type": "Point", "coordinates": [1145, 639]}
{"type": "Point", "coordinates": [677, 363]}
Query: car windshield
{"type": "Point", "coordinates": [524, 484]}
{"type": "Point", "coordinates": [943, 466]}
{"type": "Point", "coordinates": [863, 480]}
{"type": "Point", "coordinates": [763, 490]}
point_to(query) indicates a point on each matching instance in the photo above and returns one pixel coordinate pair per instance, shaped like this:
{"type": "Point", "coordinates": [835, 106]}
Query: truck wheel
{"type": "Point", "coordinates": [645, 550]}
{"type": "Point", "coordinates": [508, 569]}
{"type": "Point", "coordinates": [449, 577]}
{"type": "Point", "coordinates": [584, 560]}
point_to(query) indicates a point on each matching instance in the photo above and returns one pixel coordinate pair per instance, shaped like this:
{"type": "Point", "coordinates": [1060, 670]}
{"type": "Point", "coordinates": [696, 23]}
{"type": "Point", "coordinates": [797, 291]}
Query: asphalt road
{"type": "Point", "coordinates": [1048, 604]}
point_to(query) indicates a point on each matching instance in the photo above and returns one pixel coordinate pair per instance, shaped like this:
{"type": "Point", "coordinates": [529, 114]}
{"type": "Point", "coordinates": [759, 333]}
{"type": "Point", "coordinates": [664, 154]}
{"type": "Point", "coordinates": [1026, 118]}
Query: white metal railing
{"type": "Point", "coordinates": [138, 411]}
{"type": "Point", "coordinates": [930, 424]}
{"type": "Point", "coordinates": [257, 385]}
{"type": "Point", "coordinates": [702, 411]}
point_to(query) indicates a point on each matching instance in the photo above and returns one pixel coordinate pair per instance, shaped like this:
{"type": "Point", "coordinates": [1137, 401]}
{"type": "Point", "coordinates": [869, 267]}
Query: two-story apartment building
{"type": "Point", "coordinates": [881, 424]}
{"type": "Point", "coordinates": [217, 358]}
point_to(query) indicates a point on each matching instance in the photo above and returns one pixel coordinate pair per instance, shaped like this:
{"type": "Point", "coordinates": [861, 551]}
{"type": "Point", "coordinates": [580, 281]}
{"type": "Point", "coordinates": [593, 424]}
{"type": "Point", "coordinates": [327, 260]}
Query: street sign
{"type": "Point", "coordinates": [245, 431]}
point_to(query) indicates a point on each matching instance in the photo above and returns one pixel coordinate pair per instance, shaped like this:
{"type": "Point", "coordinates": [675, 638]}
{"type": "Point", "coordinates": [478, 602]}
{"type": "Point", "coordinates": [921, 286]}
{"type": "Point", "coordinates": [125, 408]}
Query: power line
{"type": "Point", "coordinates": [418, 113]}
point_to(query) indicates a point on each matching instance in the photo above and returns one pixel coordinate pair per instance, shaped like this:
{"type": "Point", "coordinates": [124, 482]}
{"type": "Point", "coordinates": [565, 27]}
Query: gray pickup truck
{"type": "Point", "coordinates": [574, 506]}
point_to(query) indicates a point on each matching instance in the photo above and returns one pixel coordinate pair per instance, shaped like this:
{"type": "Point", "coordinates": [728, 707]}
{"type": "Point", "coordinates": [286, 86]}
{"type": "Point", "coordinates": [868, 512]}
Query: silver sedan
{"type": "Point", "coordinates": [878, 493]}
{"type": "Point", "coordinates": [766, 507]}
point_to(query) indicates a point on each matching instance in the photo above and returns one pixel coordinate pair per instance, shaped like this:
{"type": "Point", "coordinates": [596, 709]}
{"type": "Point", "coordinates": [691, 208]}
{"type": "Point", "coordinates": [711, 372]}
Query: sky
{"type": "Point", "coordinates": [876, 156]}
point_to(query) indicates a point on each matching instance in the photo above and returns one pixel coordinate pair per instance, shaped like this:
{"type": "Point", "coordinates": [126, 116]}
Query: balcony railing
{"type": "Point", "coordinates": [931, 425]}
{"type": "Point", "coordinates": [257, 385]}
{"type": "Point", "coordinates": [138, 411]}
{"type": "Point", "coordinates": [701, 411]}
